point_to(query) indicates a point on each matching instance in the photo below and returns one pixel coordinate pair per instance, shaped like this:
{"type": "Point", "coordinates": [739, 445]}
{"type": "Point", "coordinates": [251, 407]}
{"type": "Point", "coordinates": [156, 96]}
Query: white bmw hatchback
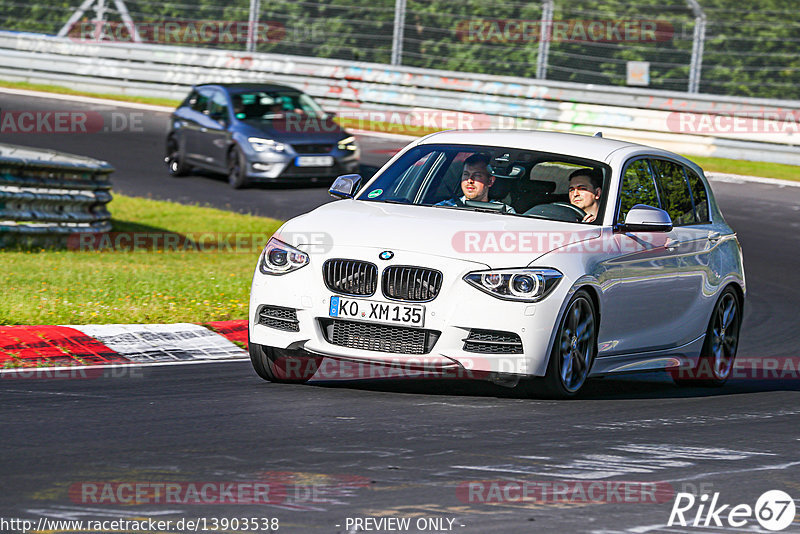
{"type": "Point", "coordinates": [533, 259]}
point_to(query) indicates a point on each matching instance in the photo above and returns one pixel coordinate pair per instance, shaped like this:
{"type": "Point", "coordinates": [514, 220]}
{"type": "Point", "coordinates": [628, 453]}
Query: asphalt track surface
{"type": "Point", "coordinates": [405, 448]}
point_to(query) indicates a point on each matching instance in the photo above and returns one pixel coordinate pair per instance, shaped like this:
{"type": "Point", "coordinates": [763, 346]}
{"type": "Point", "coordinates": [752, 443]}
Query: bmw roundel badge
{"type": "Point", "coordinates": [386, 255]}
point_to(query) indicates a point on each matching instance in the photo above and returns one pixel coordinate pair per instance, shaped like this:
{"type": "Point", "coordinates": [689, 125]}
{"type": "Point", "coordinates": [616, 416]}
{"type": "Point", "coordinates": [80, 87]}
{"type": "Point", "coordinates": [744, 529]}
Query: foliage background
{"type": "Point", "coordinates": [751, 48]}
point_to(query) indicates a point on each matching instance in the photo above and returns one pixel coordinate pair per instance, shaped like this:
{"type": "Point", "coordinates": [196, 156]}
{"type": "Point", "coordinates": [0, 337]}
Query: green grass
{"type": "Point", "coordinates": [747, 168]}
{"type": "Point", "coordinates": [143, 286]}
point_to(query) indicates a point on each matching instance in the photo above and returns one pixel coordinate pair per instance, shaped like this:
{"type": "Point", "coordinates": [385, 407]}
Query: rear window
{"type": "Point", "coordinates": [699, 195]}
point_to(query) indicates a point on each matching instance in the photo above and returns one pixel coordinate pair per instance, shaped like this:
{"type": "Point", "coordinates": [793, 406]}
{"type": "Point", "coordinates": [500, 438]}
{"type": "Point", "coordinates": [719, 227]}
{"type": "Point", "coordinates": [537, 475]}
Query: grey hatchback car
{"type": "Point", "coordinates": [258, 132]}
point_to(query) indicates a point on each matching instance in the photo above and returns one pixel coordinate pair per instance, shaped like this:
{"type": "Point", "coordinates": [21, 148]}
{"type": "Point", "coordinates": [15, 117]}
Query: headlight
{"type": "Point", "coordinates": [280, 258]}
{"type": "Point", "coordinates": [525, 285]}
{"type": "Point", "coordinates": [260, 145]}
{"type": "Point", "coordinates": [348, 143]}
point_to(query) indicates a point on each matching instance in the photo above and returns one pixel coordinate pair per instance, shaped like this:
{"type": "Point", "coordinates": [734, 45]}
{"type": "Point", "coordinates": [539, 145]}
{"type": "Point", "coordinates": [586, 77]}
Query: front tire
{"type": "Point", "coordinates": [719, 348]}
{"type": "Point", "coordinates": [237, 168]}
{"type": "Point", "coordinates": [282, 365]}
{"type": "Point", "coordinates": [573, 353]}
{"type": "Point", "coordinates": [175, 160]}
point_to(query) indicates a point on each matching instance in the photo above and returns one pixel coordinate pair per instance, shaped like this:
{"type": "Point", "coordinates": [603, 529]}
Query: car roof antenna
{"type": "Point", "coordinates": [598, 134]}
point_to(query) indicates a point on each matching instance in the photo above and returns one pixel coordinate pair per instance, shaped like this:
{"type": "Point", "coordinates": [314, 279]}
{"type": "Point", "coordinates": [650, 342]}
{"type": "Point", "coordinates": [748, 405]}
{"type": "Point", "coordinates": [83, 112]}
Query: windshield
{"type": "Point", "coordinates": [255, 105]}
{"type": "Point", "coordinates": [504, 180]}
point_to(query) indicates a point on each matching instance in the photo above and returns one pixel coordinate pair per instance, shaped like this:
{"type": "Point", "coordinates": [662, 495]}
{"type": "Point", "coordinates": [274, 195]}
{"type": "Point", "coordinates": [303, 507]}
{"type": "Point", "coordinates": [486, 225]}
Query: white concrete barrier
{"type": "Point", "coordinates": [705, 125]}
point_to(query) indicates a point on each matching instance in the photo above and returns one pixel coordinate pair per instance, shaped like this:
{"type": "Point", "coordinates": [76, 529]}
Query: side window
{"type": "Point", "coordinates": [675, 195]}
{"type": "Point", "coordinates": [699, 195]}
{"type": "Point", "coordinates": [638, 187]}
{"type": "Point", "coordinates": [218, 105]}
{"type": "Point", "coordinates": [200, 102]}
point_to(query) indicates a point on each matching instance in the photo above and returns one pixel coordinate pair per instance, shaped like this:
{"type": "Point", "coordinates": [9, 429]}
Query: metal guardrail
{"type": "Point", "coordinates": [47, 196]}
{"type": "Point", "coordinates": [641, 115]}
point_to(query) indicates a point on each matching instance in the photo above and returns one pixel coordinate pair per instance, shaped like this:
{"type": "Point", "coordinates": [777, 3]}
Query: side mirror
{"type": "Point", "coordinates": [642, 218]}
{"type": "Point", "coordinates": [345, 186]}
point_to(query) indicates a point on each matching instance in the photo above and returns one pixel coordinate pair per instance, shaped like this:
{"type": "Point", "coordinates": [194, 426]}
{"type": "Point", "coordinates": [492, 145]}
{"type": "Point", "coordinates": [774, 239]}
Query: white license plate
{"type": "Point", "coordinates": [314, 161]}
{"type": "Point", "coordinates": [377, 311]}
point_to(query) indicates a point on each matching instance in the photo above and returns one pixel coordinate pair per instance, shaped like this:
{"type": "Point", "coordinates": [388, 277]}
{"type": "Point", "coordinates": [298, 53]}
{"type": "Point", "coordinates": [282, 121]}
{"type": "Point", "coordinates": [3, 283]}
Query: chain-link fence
{"type": "Point", "coordinates": [710, 46]}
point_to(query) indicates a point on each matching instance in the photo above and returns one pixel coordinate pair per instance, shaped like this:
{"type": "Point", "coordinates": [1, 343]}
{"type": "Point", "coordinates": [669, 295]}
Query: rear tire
{"type": "Point", "coordinates": [719, 348]}
{"type": "Point", "coordinates": [282, 365]}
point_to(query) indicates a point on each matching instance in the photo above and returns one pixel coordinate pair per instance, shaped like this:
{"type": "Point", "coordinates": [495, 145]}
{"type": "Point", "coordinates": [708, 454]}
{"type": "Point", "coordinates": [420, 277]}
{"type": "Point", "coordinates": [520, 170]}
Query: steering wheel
{"type": "Point", "coordinates": [559, 211]}
{"type": "Point", "coordinates": [575, 209]}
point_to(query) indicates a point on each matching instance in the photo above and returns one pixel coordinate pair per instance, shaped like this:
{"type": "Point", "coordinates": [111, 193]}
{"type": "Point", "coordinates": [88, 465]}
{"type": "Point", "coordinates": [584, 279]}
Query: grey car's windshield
{"type": "Point", "coordinates": [256, 105]}
{"type": "Point", "coordinates": [496, 179]}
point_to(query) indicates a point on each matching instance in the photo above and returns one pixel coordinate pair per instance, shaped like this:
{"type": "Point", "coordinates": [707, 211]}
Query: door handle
{"type": "Point", "coordinates": [713, 236]}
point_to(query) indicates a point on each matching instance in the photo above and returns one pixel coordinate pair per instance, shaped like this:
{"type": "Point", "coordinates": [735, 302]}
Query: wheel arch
{"type": "Point", "coordinates": [594, 297]}
{"type": "Point", "coordinates": [737, 289]}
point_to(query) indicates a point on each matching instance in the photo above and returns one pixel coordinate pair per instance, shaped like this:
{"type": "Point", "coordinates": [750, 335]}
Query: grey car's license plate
{"type": "Point", "coordinates": [314, 161]}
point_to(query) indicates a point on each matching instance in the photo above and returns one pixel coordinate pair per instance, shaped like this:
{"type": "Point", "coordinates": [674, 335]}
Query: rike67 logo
{"type": "Point", "coordinates": [774, 510]}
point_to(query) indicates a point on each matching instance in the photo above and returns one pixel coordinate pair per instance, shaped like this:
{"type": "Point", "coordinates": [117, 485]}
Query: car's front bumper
{"type": "Point", "coordinates": [458, 309]}
{"type": "Point", "coordinates": [270, 166]}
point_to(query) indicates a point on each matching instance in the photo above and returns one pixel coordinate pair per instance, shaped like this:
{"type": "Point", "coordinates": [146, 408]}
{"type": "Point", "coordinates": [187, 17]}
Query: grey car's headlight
{"type": "Point", "coordinates": [348, 143]}
{"type": "Point", "coordinates": [280, 258]}
{"type": "Point", "coordinates": [260, 145]}
{"type": "Point", "coordinates": [524, 285]}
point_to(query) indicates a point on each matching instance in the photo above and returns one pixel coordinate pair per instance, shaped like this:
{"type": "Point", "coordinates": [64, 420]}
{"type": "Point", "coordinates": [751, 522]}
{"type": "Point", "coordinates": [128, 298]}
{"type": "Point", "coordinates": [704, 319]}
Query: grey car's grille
{"type": "Point", "coordinates": [280, 318]}
{"type": "Point", "coordinates": [312, 149]}
{"type": "Point", "coordinates": [351, 277]}
{"type": "Point", "coordinates": [414, 284]}
{"type": "Point", "coordinates": [378, 337]}
{"type": "Point", "coordinates": [493, 342]}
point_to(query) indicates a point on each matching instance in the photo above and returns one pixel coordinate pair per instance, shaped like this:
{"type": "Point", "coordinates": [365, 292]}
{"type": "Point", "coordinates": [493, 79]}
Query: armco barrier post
{"type": "Point", "coordinates": [46, 196]}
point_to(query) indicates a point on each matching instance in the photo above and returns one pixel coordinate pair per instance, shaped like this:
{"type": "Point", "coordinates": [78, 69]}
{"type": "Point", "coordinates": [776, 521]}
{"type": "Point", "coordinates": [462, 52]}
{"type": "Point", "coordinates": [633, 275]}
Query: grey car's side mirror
{"type": "Point", "coordinates": [345, 186]}
{"type": "Point", "coordinates": [642, 218]}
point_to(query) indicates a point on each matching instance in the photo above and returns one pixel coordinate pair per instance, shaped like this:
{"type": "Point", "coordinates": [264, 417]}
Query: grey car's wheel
{"type": "Point", "coordinates": [573, 353]}
{"type": "Point", "coordinates": [237, 168]}
{"type": "Point", "coordinates": [174, 159]}
{"type": "Point", "coordinates": [283, 365]}
{"type": "Point", "coordinates": [715, 364]}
